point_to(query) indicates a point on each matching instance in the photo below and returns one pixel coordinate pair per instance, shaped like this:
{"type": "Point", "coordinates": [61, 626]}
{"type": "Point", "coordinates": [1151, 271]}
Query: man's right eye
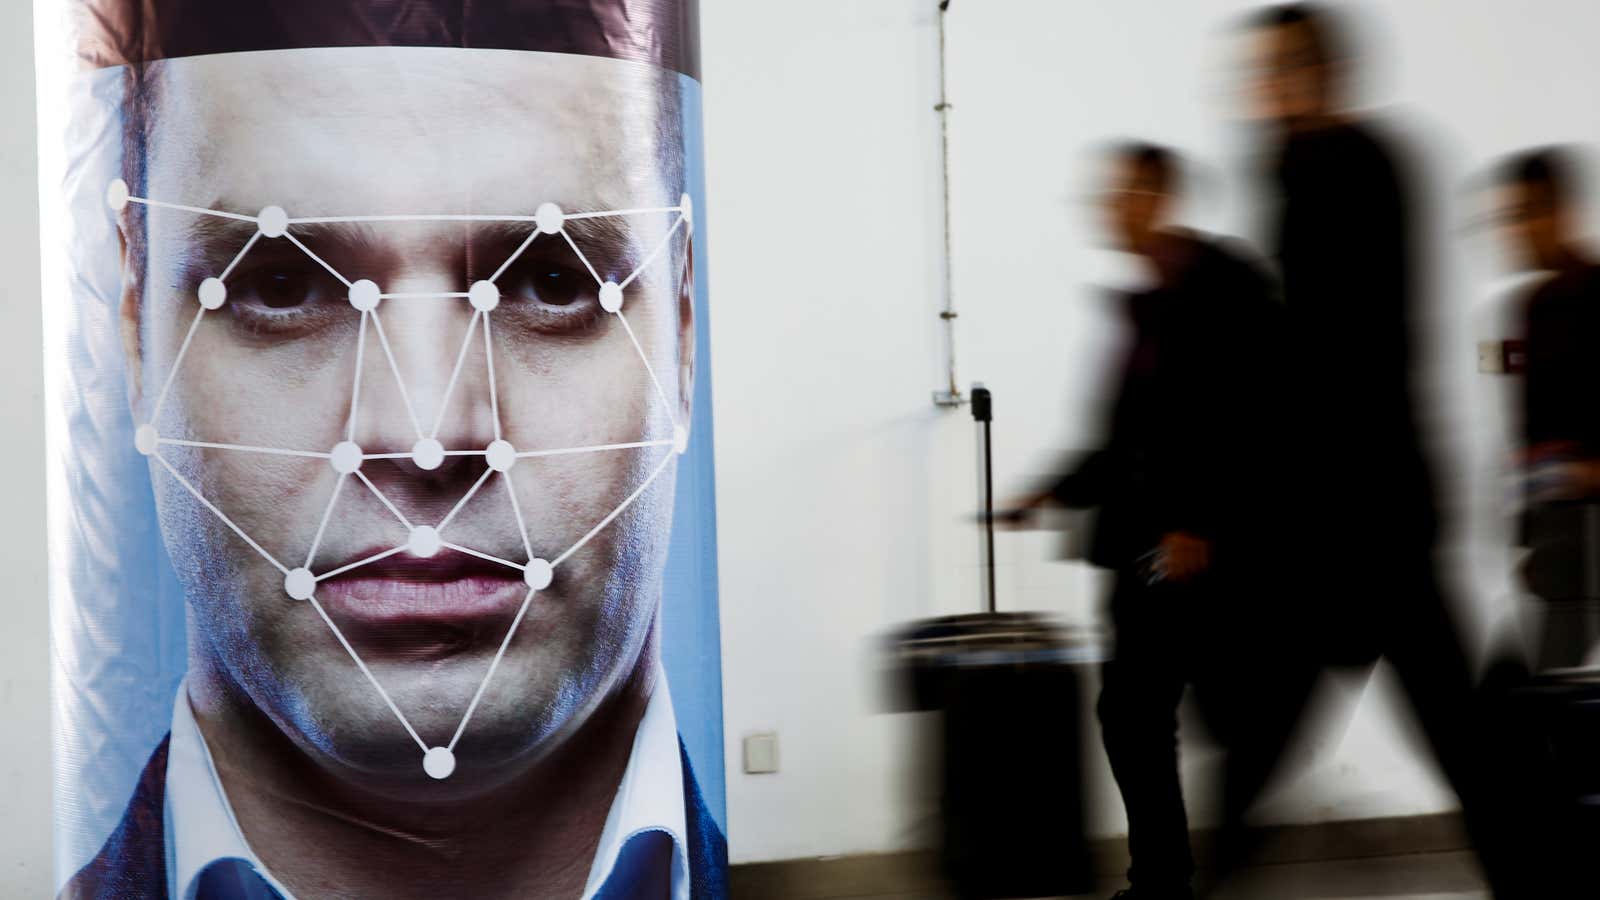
{"type": "Point", "coordinates": [284, 298]}
{"type": "Point", "coordinates": [280, 288]}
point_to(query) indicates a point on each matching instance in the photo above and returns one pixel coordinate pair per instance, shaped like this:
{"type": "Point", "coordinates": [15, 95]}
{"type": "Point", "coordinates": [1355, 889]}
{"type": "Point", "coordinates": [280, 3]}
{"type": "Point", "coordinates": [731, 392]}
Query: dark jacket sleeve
{"type": "Point", "coordinates": [1086, 484]}
{"type": "Point", "coordinates": [1222, 398]}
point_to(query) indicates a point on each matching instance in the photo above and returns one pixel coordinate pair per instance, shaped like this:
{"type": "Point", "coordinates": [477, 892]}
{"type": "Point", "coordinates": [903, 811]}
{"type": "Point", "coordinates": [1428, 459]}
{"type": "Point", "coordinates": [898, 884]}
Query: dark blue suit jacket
{"type": "Point", "coordinates": [133, 863]}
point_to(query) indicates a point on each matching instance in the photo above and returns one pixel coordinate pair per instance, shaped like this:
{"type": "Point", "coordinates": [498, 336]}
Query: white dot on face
{"type": "Point", "coordinates": [213, 293]}
{"type": "Point", "coordinates": [538, 574]}
{"type": "Point", "coordinates": [300, 584]}
{"type": "Point", "coordinates": [687, 205]}
{"type": "Point", "coordinates": [680, 438]}
{"type": "Point", "coordinates": [439, 762]}
{"type": "Point", "coordinates": [272, 221]}
{"type": "Point", "coordinates": [117, 194]}
{"type": "Point", "coordinates": [145, 439]}
{"type": "Point", "coordinates": [549, 218]}
{"type": "Point", "coordinates": [346, 457]}
{"type": "Point", "coordinates": [427, 454]}
{"type": "Point", "coordinates": [364, 295]}
{"type": "Point", "coordinates": [424, 541]}
{"type": "Point", "coordinates": [501, 455]}
{"type": "Point", "coordinates": [611, 296]}
{"type": "Point", "coordinates": [483, 296]}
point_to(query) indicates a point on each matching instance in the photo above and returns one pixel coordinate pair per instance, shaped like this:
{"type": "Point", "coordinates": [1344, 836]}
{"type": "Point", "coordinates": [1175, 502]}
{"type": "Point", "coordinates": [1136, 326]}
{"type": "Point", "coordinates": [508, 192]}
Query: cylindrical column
{"type": "Point", "coordinates": [381, 470]}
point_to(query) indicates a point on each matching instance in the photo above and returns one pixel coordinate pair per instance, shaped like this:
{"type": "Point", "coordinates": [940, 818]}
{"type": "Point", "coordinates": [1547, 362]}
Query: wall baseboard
{"type": "Point", "coordinates": [916, 872]}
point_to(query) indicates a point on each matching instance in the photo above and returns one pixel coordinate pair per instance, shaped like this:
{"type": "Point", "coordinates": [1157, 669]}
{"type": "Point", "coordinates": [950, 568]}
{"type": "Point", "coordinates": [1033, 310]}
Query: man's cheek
{"type": "Point", "coordinates": [266, 487]}
{"type": "Point", "coordinates": [578, 489]}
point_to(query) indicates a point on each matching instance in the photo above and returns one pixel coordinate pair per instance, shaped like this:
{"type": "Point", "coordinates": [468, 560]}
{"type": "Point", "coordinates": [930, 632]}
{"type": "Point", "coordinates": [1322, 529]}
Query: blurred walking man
{"type": "Point", "coordinates": [1169, 487]}
{"type": "Point", "coordinates": [1360, 484]}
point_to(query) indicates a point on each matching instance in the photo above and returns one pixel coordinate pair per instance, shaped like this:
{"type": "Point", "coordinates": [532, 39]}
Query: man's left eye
{"type": "Point", "coordinates": [551, 284]}
{"type": "Point", "coordinates": [550, 297]}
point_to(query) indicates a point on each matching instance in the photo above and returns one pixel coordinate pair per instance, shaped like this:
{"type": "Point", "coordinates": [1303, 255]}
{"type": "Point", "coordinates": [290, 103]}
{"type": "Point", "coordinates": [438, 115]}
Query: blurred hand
{"type": "Point", "coordinates": [1020, 513]}
{"type": "Point", "coordinates": [1555, 481]}
{"type": "Point", "coordinates": [1182, 556]}
{"type": "Point", "coordinates": [1586, 477]}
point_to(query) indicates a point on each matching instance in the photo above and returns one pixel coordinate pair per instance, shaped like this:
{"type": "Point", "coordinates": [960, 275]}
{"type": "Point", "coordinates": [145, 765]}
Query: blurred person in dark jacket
{"type": "Point", "coordinates": [1535, 207]}
{"type": "Point", "coordinates": [1168, 486]}
{"type": "Point", "coordinates": [1533, 204]}
{"type": "Point", "coordinates": [1549, 742]}
{"type": "Point", "coordinates": [1357, 579]}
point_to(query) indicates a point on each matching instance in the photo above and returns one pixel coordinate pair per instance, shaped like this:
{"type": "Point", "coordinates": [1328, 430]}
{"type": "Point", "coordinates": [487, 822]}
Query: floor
{"type": "Point", "coordinates": [1434, 876]}
{"type": "Point", "coordinates": [1422, 876]}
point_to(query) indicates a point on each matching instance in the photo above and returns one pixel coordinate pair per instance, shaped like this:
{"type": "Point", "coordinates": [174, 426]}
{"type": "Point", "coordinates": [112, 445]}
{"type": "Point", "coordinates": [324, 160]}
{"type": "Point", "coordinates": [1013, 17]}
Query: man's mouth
{"type": "Point", "coordinates": [423, 607]}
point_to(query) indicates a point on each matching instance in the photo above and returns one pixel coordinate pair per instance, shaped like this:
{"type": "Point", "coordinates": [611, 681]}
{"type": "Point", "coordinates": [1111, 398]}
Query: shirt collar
{"type": "Point", "coordinates": [201, 828]}
{"type": "Point", "coordinates": [649, 798]}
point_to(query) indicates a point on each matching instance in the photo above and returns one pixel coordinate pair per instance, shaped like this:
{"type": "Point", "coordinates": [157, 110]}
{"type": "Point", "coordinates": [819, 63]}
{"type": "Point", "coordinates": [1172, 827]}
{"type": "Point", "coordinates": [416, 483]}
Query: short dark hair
{"type": "Point", "coordinates": [141, 85]}
{"type": "Point", "coordinates": [1329, 36]}
{"type": "Point", "coordinates": [1163, 164]}
{"type": "Point", "coordinates": [1551, 169]}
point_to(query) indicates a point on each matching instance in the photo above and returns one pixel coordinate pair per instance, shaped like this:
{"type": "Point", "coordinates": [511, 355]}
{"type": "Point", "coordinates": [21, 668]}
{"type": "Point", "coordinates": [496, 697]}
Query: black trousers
{"type": "Point", "coordinates": [1164, 642]}
{"type": "Point", "coordinates": [1253, 647]}
{"type": "Point", "coordinates": [1284, 638]}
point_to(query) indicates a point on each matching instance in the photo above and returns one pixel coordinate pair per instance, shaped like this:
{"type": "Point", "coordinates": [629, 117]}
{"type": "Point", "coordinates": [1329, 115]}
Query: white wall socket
{"type": "Point", "coordinates": [1491, 358]}
{"type": "Point", "coordinates": [761, 753]}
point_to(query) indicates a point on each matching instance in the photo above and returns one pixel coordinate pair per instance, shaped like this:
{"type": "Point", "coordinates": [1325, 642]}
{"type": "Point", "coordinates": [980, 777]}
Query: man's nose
{"type": "Point", "coordinates": [430, 409]}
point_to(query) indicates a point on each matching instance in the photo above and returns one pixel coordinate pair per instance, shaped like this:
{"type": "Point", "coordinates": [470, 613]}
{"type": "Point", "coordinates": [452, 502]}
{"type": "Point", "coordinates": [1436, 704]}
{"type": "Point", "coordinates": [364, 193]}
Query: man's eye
{"type": "Point", "coordinates": [282, 288]}
{"type": "Point", "coordinates": [552, 284]}
{"type": "Point", "coordinates": [283, 300]}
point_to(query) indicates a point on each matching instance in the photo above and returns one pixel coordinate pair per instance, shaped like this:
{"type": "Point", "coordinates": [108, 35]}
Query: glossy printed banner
{"type": "Point", "coordinates": [382, 515]}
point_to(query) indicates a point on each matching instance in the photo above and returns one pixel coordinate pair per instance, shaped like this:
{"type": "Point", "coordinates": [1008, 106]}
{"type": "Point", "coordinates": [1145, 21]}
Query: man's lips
{"type": "Point", "coordinates": [411, 605]}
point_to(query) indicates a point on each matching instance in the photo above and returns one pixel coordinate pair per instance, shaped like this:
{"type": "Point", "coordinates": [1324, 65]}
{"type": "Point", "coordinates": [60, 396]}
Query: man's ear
{"type": "Point", "coordinates": [128, 317]}
{"type": "Point", "coordinates": [686, 341]}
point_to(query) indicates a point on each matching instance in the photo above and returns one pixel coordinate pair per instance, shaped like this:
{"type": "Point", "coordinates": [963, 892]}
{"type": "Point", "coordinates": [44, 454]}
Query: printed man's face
{"type": "Point", "coordinates": [392, 132]}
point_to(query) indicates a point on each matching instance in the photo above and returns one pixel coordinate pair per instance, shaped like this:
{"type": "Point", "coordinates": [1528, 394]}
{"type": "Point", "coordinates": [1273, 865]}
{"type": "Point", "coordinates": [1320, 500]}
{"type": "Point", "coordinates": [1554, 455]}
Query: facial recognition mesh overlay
{"type": "Point", "coordinates": [380, 413]}
{"type": "Point", "coordinates": [424, 539]}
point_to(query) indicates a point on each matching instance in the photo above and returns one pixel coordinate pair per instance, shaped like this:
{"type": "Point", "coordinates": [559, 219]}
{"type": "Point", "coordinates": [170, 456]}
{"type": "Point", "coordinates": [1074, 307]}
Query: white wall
{"type": "Point", "coordinates": [842, 490]}
{"type": "Point", "coordinates": [822, 172]}
{"type": "Point", "coordinates": [24, 637]}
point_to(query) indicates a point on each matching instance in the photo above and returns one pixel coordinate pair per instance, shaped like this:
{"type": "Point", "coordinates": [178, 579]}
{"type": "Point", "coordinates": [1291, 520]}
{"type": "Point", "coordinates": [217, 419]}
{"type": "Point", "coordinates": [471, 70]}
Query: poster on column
{"type": "Point", "coordinates": [382, 534]}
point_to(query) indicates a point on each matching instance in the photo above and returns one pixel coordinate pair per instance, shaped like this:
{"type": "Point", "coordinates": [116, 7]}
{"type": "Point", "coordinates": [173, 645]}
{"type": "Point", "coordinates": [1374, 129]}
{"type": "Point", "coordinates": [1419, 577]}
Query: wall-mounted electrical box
{"type": "Point", "coordinates": [761, 753]}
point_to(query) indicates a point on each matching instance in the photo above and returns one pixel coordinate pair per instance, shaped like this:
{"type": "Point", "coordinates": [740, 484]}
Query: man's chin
{"type": "Point", "coordinates": [371, 746]}
{"type": "Point", "coordinates": [336, 713]}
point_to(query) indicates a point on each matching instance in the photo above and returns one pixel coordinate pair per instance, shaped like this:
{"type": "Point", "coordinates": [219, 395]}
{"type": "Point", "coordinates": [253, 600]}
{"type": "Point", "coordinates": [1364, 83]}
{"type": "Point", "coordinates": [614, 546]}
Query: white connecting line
{"type": "Point", "coordinates": [346, 458]}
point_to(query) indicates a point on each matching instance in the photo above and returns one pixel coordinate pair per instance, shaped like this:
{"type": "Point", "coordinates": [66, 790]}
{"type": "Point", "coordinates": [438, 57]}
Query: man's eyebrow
{"type": "Point", "coordinates": [219, 242]}
{"type": "Point", "coordinates": [335, 244]}
{"type": "Point", "coordinates": [212, 243]}
{"type": "Point", "coordinates": [606, 242]}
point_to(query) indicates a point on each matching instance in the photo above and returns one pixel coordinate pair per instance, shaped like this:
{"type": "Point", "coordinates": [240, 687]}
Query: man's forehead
{"type": "Point", "coordinates": [388, 130]}
{"type": "Point", "coordinates": [1126, 173]}
{"type": "Point", "coordinates": [1292, 42]}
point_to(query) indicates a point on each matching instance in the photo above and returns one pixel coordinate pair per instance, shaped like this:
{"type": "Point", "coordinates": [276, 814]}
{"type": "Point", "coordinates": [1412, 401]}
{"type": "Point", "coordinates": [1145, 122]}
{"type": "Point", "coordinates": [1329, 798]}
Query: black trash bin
{"type": "Point", "coordinates": [1011, 747]}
